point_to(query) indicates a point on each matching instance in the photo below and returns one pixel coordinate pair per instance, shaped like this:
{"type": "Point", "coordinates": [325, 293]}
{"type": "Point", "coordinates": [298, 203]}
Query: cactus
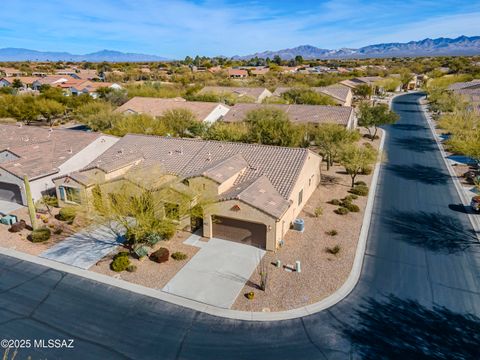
{"type": "Point", "coordinates": [31, 206]}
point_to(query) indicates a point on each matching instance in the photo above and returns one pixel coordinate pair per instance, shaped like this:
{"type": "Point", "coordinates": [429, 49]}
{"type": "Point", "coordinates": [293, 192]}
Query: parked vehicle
{"type": "Point", "coordinates": [475, 203]}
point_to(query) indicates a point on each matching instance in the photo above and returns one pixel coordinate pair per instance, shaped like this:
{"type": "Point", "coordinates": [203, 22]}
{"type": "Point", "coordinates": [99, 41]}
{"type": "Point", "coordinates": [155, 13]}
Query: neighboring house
{"type": "Point", "coordinates": [27, 81]}
{"type": "Point", "coordinates": [307, 114]}
{"type": "Point", "coordinates": [89, 87]}
{"type": "Point", "coordinates": [364, 80]}
{"type": "Point", "coordinates": [474, 84]}
{"type": "Point", "coordinates": [341, 94]}
{"type": "Point", "coordinates": [255, 192]}
{"type": "Point", "coordinates": [237, 73]}
{"type": "Point", "coordinates": [42, 154]}
{"type": "Point", "coordinates": [52, 80]}
{"type": "Point", "coordinates": [11, 72]}
{"type": "Point", "coordinates": [260, 71]}
{"type": "Point", "coordinates": [471, 94]}
{"type": "Point", "coordinates": [79, 74]}
{"type": "Point", "coordinates": [255, 94]}
{"type": "Point", "coordinates": [207, 112]}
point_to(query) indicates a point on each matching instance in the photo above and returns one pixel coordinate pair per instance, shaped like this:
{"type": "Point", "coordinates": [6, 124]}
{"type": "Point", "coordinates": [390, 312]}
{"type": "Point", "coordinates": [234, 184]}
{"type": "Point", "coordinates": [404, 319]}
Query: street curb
{"type": "Point", "coordinates": [329, 301]}
{"type": "Point", "coordinates": [474, 220]}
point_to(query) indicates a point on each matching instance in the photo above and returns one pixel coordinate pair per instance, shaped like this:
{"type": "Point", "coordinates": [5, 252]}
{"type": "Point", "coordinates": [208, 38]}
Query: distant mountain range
{"type": "Point", "coordinates": [462, 45]}
{"type": "Point", "coordinates": [14, 54]}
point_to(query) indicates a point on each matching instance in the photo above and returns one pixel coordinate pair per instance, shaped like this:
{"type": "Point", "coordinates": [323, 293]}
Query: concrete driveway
{"type": "Point", "coordinates": [84, 249]}
{"type": "Point", "coordinates": [6, 207]}
{"type": "Point", "coordinates": [217, 273]}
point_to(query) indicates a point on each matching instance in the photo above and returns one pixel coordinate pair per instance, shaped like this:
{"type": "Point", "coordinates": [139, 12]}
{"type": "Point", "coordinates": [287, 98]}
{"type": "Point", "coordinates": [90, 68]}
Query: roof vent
{"type": "Point", "coordinates": [170, 153]}
{"type": "Point", "coordinates": [209, 156]}
{"type": "Point", "coordinates": [70, 151]}
{"type": "Point", "coordinates": [120, 151]}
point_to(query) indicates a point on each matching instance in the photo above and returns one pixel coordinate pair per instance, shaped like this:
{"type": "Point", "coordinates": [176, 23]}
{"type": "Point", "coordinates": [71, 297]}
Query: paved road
{"type": "Point", "coordinates": [419, 282]}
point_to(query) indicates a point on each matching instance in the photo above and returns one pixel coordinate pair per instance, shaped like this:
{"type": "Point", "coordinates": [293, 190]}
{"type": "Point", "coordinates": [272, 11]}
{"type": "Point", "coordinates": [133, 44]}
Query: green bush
{"type": "Point", "coordinates": [131, 268]}
{"type": "Point", "coordinates": [334, 250]}
{"type": "Point", "coordinates": [341, 211]}
{"type": "Point", "coordinates": [367, 171]}
{"type": "Point", "coordinates": [179, 256]}
{"type": "Point", "coordinates": [318, 211]}
{"type": "Point", "coordinates": [50, 200]}
{"type": "Point", "coordinates": [360, 190]}
{"type": "Point", "coordinates": [160, 256]}
{"type": "Point", "coordinates": [361, 183]}
{"type": "Point", "coordinates": [40, 235]}
{"type": "Point", "coordinates": [352, 207]}
{"type": "Point", "coordinates": [153, 238]}
{"type": "Point", "coordinates": [350, 197]}
{"type": "Point", "coordinates": [121, 254]}
{"type": "Point", "coordinates": [67, 214]}
{"type": "Point", "coordinates": [168, 231]}
{"type": "Point", "coordinates": [120, 263]}
{"type": "Point", "coordinates": [335, 202]}
{"type": "Point", "coordinates": [332, 232]}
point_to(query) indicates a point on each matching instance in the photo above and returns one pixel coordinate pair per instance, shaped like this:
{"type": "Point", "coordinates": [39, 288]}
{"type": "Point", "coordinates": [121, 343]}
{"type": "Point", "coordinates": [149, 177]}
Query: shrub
{"type": "Point", "coordinates": [50, 200]}
{"type": "Point", "coordinates": [335, 202]}
{"type": "Point", "coordinates": [352, 207]}
{"type": "Point", "coordinates": [120, 254]}
{"type": "Point", "coordinates": [58, 231]}
{"type": "Point", "coordinates": [40, 235]}
{"type": "Point", "coordinates": [332, 232]}
{"type": "Point", "coordinates": [160, 256]}
{"type": "Point", "coordinates": [179, 256]}
{"type": "Point", "coordinates": [366, 171]}
{"type": "Point", "coordinates": [341, 211]}
{"type": "Point", "coordinates": [333, 250]}
{"type": "Point", "coordinates": [361, 183]}
{"type": "Point", "coordinates": [120, 263]}
{"type": "Point", "coordinates": [152, 238]}
{"type": "Point", "coordinates": [360, 190]}
{"type": "Point", "coordinates": [318, 211]}
{"type": "Point", "coordinates": [131, 268]}
{"type": "Point", "coordinates": [168, 231]}
{"type": "Point", "coordinates": [67, 214]}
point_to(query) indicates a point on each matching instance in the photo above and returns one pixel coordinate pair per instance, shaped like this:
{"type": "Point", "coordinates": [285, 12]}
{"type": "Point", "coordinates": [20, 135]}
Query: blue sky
{"type": "Point", "coordinates": [226, 27]}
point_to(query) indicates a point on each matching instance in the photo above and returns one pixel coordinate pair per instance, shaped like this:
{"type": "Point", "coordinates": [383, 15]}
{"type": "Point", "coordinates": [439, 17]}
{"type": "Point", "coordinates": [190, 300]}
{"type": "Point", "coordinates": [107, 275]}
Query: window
{"type": "Point", "coordinates": [71, 194]}
{"type": "Point", "coordinates": [300, 197]}
{"type": "Point", "coordinates": [172, 211]}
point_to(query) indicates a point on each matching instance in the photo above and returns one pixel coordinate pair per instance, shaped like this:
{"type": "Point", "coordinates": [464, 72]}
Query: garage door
{"type": "Point", "coordinates": [240, 231]}
{"type": "Point", "coordinates": [10, 192]}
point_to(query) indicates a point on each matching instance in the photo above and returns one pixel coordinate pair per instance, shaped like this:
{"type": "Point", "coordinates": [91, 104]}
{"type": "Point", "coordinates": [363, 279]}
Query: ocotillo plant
{"type": "Point", "coordinates": [31, 206]}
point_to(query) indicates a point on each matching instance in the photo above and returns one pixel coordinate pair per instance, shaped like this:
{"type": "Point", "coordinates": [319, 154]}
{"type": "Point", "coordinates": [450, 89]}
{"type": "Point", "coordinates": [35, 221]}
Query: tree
{"type": "Point", "coordinates": [330, 138]}
{"type": "Point", "coordinates": [356, 159]}
{"type": "Point", "coordinates": [271, 126]}
{"type": "Point", "coordinates": [364, 91]}
{"type": "Point", "coordinates": [374, 116]}
{"type": "Point", "coordinates": [182, 122]}
{"type": "Point", "coordinates": [307, 96]}
{"type": "Point", "coordinates": [50, 109]}
{"type": "Point", "coordinates": [277, 60]}
{"type": "Point", "coordinates": [299, 60]}
{"type": "Point", "coordinates": [17, 84]}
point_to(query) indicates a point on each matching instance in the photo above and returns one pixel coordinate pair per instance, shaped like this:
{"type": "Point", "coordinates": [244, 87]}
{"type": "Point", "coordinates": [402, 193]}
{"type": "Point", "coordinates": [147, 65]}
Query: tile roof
{"type": "Point", "coordinates": [316, 114]}
{"type": "Point", "coordinates": [474, 84]}
{"type": "Point", "coordinates": [337, 91]}
{"type": "Point", "coordinates": [237, 72]}
{"type": "Point", "coordinates": [253, 92]}
{"type": "Point", "coordinates": [41, 151]}
{"type": "Point", "coordinates": [26, 80]}
{"type": "Point", "coordinates": [157, 106]}
{"type": "Point", "coordinates": [280, 166]}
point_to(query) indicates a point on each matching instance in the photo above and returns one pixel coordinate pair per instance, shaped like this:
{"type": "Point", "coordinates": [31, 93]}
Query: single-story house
{"type": "Point", "coordinates": [52, 80]}
{"type": "Point", "coordinates": [255, 191]}
{"type": "Point", "coordinates": [27, 81]}
{"type": "Point", "coordinates": [341, 94]}
{"type": "Point", "coordinates": [89, 87]}
{"type": "Point", "coordinates": [41, 154]}
{"type": "Point", "coordinates": [474, 84]}
{"type": "Point", "coordinates": [237, 73]}
{"type": "Point", "coordinates": [255, 94]}
{"type": "Point", "coordinates": [362, 80]}
{"type": "Point", "coordinates": [10, 72]}
{"type": "Point", "coordinates": [307, 114]}
{"type": "Point", "coordinates": [207, 112]}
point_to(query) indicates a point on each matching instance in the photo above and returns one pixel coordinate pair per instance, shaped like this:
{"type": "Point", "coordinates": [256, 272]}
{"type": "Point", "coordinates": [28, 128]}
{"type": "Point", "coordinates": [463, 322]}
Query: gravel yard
{"type": "Point", "coordinates": [150, 273]}
{"type": "Point", "coordinates": [321, 273]}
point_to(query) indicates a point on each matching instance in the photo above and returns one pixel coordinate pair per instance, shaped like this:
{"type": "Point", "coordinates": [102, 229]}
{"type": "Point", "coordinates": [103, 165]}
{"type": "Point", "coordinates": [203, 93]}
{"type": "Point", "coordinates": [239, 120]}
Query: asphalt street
{"type": "Point", "coordinates": [418, 296]}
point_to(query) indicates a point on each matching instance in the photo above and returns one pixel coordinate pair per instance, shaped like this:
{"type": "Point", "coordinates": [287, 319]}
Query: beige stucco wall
{"type": "Point", "coordinates": [246, 213]}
